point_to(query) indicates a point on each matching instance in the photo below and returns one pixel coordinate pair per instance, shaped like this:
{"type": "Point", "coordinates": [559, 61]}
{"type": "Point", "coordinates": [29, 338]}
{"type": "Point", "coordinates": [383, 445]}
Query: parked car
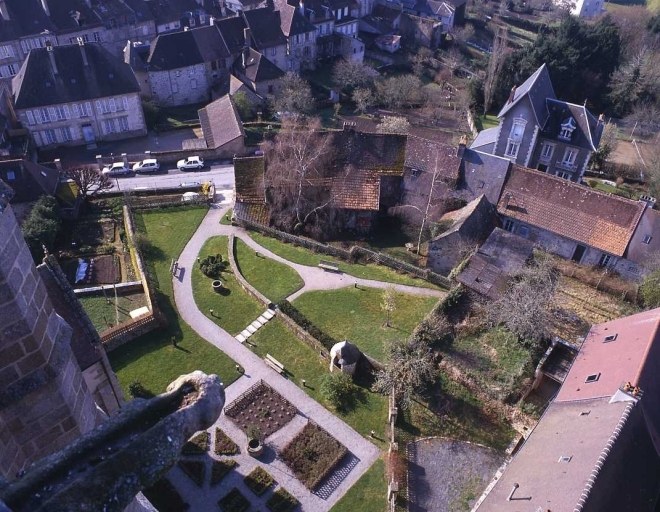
{"type": "Point", "coordinates": [116, 169]}
{"type": "Point", "coordinates": [192, 162]}
{"type": "Point", "coordinates": [148, 165]}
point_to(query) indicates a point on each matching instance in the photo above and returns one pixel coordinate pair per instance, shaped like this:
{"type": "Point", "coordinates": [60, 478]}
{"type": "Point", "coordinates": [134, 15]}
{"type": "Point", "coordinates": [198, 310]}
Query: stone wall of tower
{"type": "Point", "coordinates": [44, 401]}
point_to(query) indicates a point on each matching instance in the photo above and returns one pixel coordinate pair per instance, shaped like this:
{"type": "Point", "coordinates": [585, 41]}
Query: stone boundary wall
{"type": "Point", "coordinates": [128, 331]}
{"type": "Point", "coordinates": [355, 252]}
{"type": "Point", "coordinates": [131, 286]}
{"type": "Point", "coordinates": [249, 289]}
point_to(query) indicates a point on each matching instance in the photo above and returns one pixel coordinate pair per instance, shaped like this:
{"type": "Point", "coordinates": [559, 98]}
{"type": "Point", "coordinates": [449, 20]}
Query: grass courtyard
{"type": "Point", "coordinates": [152, 359]}
{"type": "Point", "coordinates": [274, 279]}
{"type": "Point", "coordinates": [368, 494]}
{"type": "Point", "coordinates": [106, 312]}
{"type": "Point", "coordinates": [233, 309]}
{"type": "Point", "coordinates": [304, 256]}
{"type": "Point", "coordinates": [362, 317]}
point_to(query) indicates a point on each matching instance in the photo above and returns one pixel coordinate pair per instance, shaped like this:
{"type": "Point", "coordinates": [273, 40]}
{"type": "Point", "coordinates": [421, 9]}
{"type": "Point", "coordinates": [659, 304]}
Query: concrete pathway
{"type": "Point", "coordinates": [256, 369]}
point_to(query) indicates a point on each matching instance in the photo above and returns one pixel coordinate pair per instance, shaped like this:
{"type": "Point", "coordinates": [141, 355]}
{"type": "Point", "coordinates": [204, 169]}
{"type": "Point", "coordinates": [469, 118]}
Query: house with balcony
{"type": "Point", "coordinates": [538, 130]}
{"type": "Point", "coordinates": [77, 94]}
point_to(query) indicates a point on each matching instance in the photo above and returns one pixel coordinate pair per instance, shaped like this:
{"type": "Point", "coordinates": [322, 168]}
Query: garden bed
{"type": "Point", "coordinates": [282, 501]}
{"type": "Point", "coordinates": [220, 469]}
{"type": "Point", "coordinates": [313, 454]}
{"type": "Point", "coordinates": [165, 497]}
{"type": "Point", "coordinates": [223, 444]}
{"type": "Point", "coordinates": [261, 408]}
{"type": "Point", "coordinates": [194, 469]}
{"type": "Point", "coordinates": [259, 481]}
{"type": "Point", "coordinates": [197, 444]}
{"type": "Point", "coordinates": [234, 501]}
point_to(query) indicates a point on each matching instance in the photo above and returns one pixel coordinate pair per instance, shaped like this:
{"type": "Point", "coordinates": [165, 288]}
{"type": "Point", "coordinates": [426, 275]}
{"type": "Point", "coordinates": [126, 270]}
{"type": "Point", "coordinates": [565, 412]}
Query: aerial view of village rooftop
{"type": "Point", "coordinates": [329, 255]}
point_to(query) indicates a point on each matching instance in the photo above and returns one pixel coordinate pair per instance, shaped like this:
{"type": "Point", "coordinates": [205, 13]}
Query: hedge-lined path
{"type": "Point", "coordinates": [255, 369]}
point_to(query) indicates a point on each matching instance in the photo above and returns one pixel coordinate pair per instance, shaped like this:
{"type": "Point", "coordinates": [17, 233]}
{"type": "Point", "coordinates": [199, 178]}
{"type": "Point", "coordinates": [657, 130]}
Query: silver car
{"type": "Point", "coordinates": [116, 169]}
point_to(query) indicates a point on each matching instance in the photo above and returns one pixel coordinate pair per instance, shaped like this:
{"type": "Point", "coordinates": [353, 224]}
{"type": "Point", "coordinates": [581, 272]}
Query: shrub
{"type": "Point", "coordinates": [212, 266]}
{"type": "Point", "coordinates": [197, 444]}
{"type": "Point", "coordinates": [259, 481]}
{"type": "Point", "coordinates": [223, 444]}
{"type": "Point", "coordinates": [234, 501]}
{"type": "Point", "coordinates": [41, 226]}
{"type": "Point", "coordinates": [165, 497]}
{"type": "Point", "coordinates": [137, 390]}
{"type": "Point", "coordinates": [650, 289]}
{"type": "Point", "coordinates": [142, 243]}
{"type": "Point", "coordinates": [435, 330]}
{"type": "Point", "coordinates": [194, 469]}
{"type": "Point", "coordinates": [282, 501]}
{"type": "Point", "coordinates": [220, 468]}
{"type": "Point", "coordinates": [592, 183]}
{"type": "Point", "coordinates": [338, 388]}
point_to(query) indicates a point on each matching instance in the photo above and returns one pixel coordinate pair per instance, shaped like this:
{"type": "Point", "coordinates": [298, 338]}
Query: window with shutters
{"type": "Point", "coordinates": [76, 110]}
{"type": "Point", "coordinates": [50, 137]}
{"type": "Point", "coordinates": [12, 69]}
{"type": "Point", "coordinates": [112, 105]}
{"type": "Point", "coordinates": [30, 117]}
{"type": "Point", "coordinates": [109, 126]}
{"type": "Point", "coordinates": [37, 116]}
{"type": "Point", "coordinates": [123, 123]}
{"type": "Point", "coordinates": [65, 134]}
{"type": "Point", "coordinates": [45, 115]}
{"type": "Point", "coordinates": [88, 109]}
{"type": "Point", "coordinates": [6, 51]}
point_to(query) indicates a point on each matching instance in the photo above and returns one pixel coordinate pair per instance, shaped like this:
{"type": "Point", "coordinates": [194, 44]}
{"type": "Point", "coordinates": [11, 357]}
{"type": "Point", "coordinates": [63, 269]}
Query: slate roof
{"type": "Point", "coordinates": [235, 86]}
{"type": "Point", "coordinates": [265, 27]}
{"type": "Point", "coordinates": [603, 221]}
{"type": "Point", "coordinates": [292, 22]}
{"type": "Point", "coordinates": [538, 88]}
{"type": "Point", "coordinates": [36, 83]}
{"type": "Point", "coordinates": [640, 251]}
{"type": "Point", "coordinates": [429, 156]}
{"type": "Point", "coordinates": [171, 10]}
{"type": "Point", "coordinates": [585, 135]}
{"type": "Point", "coordinates": [482, 173]}
{"type": "Point", "coordinates": [187, 48]}
{"type": "Point", "coordinates": [232, 33]}
{"type": "Point", "coordinates": [259, 68]}
{"type": "Point", "coordinates": [485, 137]}
{"type": "Point", "coordinates": [31, 180]}
{"type": "Point", "coordinates": [220, 122]}
{"type": "Point", "coordinates": [386, 13]}
{"type": "Point", "coordinates": [502, 255]}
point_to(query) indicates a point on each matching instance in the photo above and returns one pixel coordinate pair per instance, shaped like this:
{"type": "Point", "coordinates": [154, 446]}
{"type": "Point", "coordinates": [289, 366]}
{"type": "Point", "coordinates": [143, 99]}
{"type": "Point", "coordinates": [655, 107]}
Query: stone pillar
{"type": "Point", "coordinates": [44, 401]}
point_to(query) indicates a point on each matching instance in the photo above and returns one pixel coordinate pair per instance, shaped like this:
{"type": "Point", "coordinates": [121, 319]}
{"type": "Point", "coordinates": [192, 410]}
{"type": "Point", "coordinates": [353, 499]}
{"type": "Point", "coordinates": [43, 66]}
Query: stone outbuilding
{"type": "Point", "coordinates": [345, 356]}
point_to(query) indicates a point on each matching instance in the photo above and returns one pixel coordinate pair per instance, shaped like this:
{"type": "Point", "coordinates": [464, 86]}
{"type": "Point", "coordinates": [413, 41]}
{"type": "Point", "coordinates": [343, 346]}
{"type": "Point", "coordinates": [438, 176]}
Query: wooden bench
{"type": "Point", "coordinates": [328, 265]}
{"type": "Point", "coordinates": [274, 364]}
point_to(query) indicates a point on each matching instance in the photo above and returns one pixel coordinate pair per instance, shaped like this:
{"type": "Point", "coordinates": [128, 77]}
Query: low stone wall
{"type": "Point", "coordinates": [355, 252]}
{"type": "Point", "coordinates": [131, 286]}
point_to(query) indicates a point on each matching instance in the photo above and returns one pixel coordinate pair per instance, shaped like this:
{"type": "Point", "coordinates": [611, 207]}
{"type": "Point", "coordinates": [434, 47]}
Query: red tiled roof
{"type": "Point", "coordinates": [615, 362]}
{"type": "Point", "coordinates": [249, 175]}
{"type": "Point", "coordinates": [359, 191]}
{"type": "Point", "coordinates": [596, 219]}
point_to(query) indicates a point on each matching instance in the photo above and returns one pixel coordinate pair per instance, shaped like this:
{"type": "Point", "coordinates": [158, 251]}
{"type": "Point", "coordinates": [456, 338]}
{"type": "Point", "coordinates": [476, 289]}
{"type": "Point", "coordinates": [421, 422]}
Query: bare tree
{"type": "Point", "coordinates": [389, 304]}
{"type": "Point", "coordinates": [420, 60]}
{"type": "Point", "coordinates": [298, 162]}
{"type": "Point", "coordinates": [397, 91]}
{"type": "Point", "coordinates": [606, 146]}
{"type": "Point", "coordinates": [525, 307]}
{"type": "Point", "coordinates": [363, 98]}
{"type": "Point", "coordinates": [294, 95]}
{"type": "Point", "coordinates": [348, 74]}
{"type": "Point", "coordinates": [408, 369]}
{"type": "Point", "coordinates": [393, 124]}
{"type": "Point", "coordinates": [89, 180]}
{"type": "Point", "coordinates": [495, 63]}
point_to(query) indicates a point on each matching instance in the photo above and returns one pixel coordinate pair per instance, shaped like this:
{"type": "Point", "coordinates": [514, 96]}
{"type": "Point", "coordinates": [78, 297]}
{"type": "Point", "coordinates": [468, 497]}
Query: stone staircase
{"type": "Point", "coordinates": [264, 318]}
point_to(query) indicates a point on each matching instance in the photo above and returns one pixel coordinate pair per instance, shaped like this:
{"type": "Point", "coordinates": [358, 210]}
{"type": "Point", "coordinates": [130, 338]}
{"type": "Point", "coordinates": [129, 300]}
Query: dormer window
{"type": "Point", "coordinates": [567, 129]}
{"type": "Point", "coordinates": [515, 137]}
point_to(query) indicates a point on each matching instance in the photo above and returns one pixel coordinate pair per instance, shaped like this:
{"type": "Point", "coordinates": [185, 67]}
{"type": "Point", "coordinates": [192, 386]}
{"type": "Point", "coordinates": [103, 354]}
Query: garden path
{"type": "Point", "coordinates": [255, 369]}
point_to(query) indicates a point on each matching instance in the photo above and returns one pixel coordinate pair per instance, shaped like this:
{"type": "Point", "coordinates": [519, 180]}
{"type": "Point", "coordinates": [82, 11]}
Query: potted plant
{"type": "Point", "coordinates": [254, 446]}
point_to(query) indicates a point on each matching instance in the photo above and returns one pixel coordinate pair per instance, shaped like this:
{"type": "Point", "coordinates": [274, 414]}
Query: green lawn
{"type": "Point", "coordinates": [622, 190]}
{"type": "Point", "coordinates": [356, 315]}
{"type": "Point", "coordinates": [488, 121]}
{"type": "Point", "coordinates": [152, 359]}
{"type": "Point", "coordinates": [369, 412]}
{"type": "Point", "coordinates": [368, 493]}
{"type": "Point", "coordinates": [233, 309]}
{"type": "Point", "coordinates": [275, 280]}
{"type": "Point", "coordinates": [226, 218]}
{"type": "Point", "coordinates": [103, 313]}
{"type": "Point", "coordinates": [306, 257]}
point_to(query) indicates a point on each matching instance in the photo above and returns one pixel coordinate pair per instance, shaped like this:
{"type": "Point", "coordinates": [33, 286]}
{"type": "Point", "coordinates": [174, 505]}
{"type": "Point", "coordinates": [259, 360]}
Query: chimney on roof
{"type": "Point", "coordinates": [211, 20]}
{"type": "Point", "coordinates": [512, 95]}
{"type": "Point", "coordinates": [83, 52]}
{"type": "Point", "coordinates": [51, 56]}
{"type": "Point", "coordinates": [44, 4]}
{"type": "Point", "coordinates": [245, 55]}
{"type": "Point", "coordinates": [247, 35]}
{"type": "Point", "coordinates": [461, 146]}
{"type": "Point", "coordinates": [186, 28]}
{"type": "Point", "coordinates": [515, 487]}
{"type": "Point", "coordinates": [4, 12]}
{"type": "Point", "coordinates": [505, 200]}
{"type": "Point", "coordinates": [301, 6]}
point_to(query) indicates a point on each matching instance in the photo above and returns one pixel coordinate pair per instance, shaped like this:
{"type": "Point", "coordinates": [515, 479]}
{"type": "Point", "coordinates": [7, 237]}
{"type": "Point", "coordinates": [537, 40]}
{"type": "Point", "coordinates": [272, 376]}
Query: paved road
{"type": "Point", "coordinates": [222, 175]}
{"type": "Point", "coordinates": [255, 369]}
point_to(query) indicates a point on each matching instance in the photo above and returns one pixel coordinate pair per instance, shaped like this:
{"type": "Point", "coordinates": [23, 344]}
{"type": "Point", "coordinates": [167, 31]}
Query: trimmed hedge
{"type": "Point", "coordinates": [220, 468]}
{"type": "Point", "coordinates": [290, 310]}
{"type": "Point", "coordinates": [194, 469]}
{"type": "Point", "coordinates": [223, 443]}
{"type": "Point", "coordinates": [234, 501]}
{"type": "Point", "coordinates": [197, 444]}
{"type": "Point", "coordinates": [259, 481]}
{"type": "Point", "coordinates": [282, 501]}
{"type": "Point", "coordinates": [165, 497]}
